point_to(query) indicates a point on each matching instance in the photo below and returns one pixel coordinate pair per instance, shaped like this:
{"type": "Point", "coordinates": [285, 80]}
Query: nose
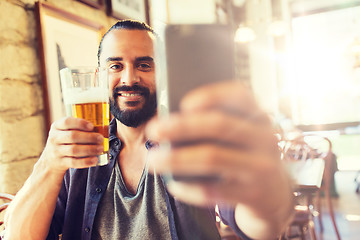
{"type": "Point", "coordinates": [129, 77]}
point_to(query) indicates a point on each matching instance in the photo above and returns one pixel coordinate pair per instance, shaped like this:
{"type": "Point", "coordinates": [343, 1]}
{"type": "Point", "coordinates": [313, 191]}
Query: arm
{"type": "Point", "coordinates": [34, 204]}
{"type": "Point", "coordinates": [233, 139]}
{"type": "Point", "coordinates": [70, 144]}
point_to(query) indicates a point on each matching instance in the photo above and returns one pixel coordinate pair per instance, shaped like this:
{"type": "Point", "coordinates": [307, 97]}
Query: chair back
{"type": "Point", "coordinates": [309, 146]}
{"type": "Point", "coordinates": [7, 198]}
{"type": "Point", "coordinates": [322, 148]}
{"type": "Point", "coordinates": [306, 146]}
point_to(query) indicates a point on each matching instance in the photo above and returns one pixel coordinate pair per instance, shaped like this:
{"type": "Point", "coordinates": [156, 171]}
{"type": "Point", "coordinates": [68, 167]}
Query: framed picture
{"type": "Point", "coordinates": [123, 9]}
{"type": "Point", "coordinates": [65, 40]}
{"type": "Point", "coordinates": [93, 3]}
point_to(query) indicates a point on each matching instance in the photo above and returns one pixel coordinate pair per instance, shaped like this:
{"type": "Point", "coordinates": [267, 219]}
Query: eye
{"type": "Point", "coordinates": [145, 66]}
{"type": "Point", "coordinates": [116, 67]}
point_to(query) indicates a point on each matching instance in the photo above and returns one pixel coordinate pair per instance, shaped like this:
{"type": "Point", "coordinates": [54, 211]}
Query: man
{"type": "Point", "coordinates": [128, 199]}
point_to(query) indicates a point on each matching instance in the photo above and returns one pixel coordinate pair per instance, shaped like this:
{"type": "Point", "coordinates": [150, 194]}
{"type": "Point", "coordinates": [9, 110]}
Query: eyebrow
{"type": "Point", "coordinates": [111, 59]}
{"type": "Point", "coordinates": [145, 58]}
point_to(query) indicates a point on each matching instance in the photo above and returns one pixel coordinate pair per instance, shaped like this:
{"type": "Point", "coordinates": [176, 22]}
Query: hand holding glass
{"type": "Point", "coordinates": [85, 92]}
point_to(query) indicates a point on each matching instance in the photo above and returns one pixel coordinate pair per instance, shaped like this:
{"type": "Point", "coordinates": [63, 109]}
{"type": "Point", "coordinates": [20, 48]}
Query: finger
{"type": "Point", "coordinates": [193, 194]}
{"type": "Point", "coordinates": [68, 123]}
{"type": "Point", "coordinates": [200, 194]}
{"type": "Point", "coordinates": [230, 96]}
{"type": "Point", "coordinates": [203, 195]}
{"type": "Point", "coordinates": [208, 159]}
{"type": "Point", "coordinates": [234, 191]}
{"type": "Point", "coordinates": [80, 151]}
{"type": "Point", "coordinates": [75, 136]}
{"type": "Point", "coordinates": [231, 190]}
{"type": "Point", "coordinates": [212, 126]}
{"type": "Point", "coordinates": [86, 162]}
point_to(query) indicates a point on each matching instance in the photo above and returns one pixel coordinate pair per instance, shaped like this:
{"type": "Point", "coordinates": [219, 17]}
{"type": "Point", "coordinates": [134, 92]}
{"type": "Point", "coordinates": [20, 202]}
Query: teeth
{"type": "Point", "coordinates": [130, 94]}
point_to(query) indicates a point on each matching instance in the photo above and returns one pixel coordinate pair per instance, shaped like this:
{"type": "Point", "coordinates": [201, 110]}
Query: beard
{"type": "Point", "coordinates": [133, 118]}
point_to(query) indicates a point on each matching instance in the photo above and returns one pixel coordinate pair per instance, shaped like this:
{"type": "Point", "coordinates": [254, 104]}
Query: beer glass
{"type": "Point", "coordinates": [85, 92]}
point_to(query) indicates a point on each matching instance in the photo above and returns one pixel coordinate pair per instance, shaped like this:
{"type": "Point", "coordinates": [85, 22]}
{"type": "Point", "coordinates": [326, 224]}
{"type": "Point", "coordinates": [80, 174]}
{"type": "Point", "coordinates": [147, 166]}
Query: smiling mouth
{"type": "Point", "coordinates": [130, 94]}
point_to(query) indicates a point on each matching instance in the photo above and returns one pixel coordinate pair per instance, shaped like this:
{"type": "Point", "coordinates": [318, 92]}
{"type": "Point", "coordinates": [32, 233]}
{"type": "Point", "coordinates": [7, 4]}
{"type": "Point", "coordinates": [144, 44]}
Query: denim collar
{"type": "Point", "coordinates": [112, 136]}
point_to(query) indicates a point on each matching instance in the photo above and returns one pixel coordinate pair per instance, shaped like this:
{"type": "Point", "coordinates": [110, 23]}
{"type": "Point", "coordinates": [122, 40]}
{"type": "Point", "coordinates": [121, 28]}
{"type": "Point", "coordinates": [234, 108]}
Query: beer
{"type": "Point", "coordinates": [98, 114]}
{"type": "Point", "coordinates": [86, 95]}
{"type": "Point", "coordinates": [92, 107]}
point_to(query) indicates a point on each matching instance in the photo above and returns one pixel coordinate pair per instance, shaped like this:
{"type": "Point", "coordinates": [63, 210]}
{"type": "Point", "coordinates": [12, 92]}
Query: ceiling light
{"type": "Point", "coordinates": [244, 34]}
{"type": "Point", "coordinates": [238, 3]}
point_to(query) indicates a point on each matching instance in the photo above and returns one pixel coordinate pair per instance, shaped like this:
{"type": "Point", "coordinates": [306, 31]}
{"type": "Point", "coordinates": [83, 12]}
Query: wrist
{"type": "Point", "coordinates": [42, 168]}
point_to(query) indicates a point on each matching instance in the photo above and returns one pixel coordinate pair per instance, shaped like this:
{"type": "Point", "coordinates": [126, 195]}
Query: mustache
{"type": "Point", "coordinates": [136, 88]}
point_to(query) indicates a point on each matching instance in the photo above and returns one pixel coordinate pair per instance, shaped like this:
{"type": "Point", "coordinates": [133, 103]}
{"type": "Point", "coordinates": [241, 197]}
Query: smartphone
{"type": "Point", "coordinates": [188, 56]}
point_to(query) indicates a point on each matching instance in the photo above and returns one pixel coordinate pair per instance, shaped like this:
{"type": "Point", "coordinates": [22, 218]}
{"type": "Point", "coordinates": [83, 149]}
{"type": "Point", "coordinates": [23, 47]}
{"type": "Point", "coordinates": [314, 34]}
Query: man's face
{"type": "Point", "coordinates": [129, 56]}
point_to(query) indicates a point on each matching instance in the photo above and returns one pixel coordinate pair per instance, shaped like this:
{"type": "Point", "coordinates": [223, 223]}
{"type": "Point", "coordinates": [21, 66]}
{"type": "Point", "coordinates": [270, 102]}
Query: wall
{"type": "Point", "coordinates": [22, 129]}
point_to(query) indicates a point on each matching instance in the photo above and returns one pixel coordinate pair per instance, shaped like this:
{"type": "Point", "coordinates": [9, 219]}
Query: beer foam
{"type": "Point", "coordinates": [78, 96]}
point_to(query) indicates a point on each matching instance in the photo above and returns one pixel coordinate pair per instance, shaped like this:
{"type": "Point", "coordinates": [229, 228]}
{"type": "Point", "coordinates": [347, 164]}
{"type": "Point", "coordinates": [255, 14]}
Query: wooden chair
{"type": "Point", "coordinates": [329, 157]}
{"type": "Point", "coordinates": [303, 148]}
{"type": "Point", "coordinates": [6, 197]}
{"type": "Point", "coordinates": [297, 150]}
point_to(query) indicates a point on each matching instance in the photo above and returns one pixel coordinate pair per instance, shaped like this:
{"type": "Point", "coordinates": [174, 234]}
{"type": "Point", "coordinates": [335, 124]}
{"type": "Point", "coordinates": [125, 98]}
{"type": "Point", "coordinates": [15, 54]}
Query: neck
{"type": "Point", "coordinates": [129, 136]}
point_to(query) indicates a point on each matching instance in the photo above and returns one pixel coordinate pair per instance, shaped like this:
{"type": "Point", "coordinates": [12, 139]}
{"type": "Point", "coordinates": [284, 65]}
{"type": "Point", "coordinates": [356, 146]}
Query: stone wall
{"type": "Point", "coordinates": [22, 123]}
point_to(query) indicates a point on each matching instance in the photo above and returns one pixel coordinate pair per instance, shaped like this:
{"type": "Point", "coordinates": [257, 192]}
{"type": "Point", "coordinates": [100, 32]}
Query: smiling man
{"type": "Point", "coordinates": [128, 199]}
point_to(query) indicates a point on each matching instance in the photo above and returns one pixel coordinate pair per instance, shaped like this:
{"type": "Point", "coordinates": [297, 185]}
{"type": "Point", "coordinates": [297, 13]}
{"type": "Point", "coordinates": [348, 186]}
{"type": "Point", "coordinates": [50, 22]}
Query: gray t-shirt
{"type": "Point", "coordinates": [123, 215]}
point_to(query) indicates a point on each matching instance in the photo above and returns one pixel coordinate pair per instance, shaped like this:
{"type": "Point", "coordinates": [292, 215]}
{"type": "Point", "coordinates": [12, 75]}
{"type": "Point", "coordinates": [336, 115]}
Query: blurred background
{"type": "Point", "coordinates": [301, 58]}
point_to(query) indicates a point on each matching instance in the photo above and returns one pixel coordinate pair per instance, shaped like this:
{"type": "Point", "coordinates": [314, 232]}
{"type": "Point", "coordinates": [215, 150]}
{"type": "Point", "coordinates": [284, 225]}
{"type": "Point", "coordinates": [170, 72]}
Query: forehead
{"type": "Point", "coordinates": [127, 43]}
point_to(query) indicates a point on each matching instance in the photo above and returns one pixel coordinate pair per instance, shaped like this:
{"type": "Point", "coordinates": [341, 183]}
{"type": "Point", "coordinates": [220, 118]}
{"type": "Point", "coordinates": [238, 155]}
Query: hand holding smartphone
{"type": "Point", "coordinates": [188, 56]}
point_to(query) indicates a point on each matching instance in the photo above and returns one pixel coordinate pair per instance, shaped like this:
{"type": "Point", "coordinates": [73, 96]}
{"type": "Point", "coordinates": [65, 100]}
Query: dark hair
{"type": "Point", "coordinates": [125, 24]}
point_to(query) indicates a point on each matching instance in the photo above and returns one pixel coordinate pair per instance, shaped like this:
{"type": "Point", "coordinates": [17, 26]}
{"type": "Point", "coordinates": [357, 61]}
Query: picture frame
{"type": "Point", "coordinates": [65, 40]}
{"type": "Point", "coordinates": [124, 9]}
{"type": "Point", "coordinates": [93, 3]}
